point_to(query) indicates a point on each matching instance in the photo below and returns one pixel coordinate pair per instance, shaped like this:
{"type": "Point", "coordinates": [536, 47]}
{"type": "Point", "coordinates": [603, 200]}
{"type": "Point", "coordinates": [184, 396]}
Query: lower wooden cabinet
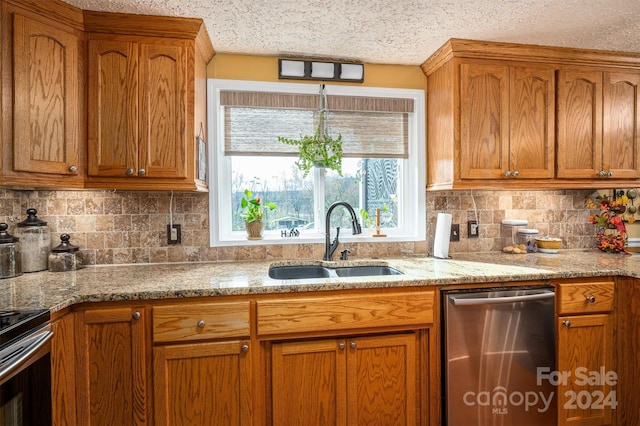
{"type": "Point", "coordinates": [356, 381]}
{"type": "Point", "coordinates": [202, 384]}
{"type": "Point", "coordinates": [587, 376]}
{"type": "Point", "coordinates": [112, 373]}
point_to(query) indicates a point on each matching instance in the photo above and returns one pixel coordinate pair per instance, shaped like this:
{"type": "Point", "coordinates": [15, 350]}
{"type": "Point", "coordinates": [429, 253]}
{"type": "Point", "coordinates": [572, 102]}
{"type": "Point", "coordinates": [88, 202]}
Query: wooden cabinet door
{"type": "Point", "coordinates": [484, 120]}
{"type": "Point", "coordinates": [203, 384]}
{"type": "Point", "coordinates": [46, 82]}
{"type": "Point", "coordinates": [112, 366]}
{"type": "Point", "coordinates": [382, 380]}
{"type": "Point", "coordinates": [63, 375]}
{"type": "Point", "coordinates": [580, 149]}
{"type": "Point", "coordinates": [163, 99]}
{"type": "Point", "coordinates": [585, 348]}
{"type": "Point", "coordinates": [308, 384]}
{"type": "Point", "coordinates": [532, 122]}
{"type": "Point", "coordinates": [621, 123]}
{"type": "Point", "coordinates": [113, 108]}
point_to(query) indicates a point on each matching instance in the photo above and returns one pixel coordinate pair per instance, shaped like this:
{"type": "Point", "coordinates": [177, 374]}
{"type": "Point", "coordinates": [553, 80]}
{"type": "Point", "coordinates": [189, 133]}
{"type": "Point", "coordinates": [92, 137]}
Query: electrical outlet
{"type": "Point", "coordinates": [455, 232]}
{"type": "Point", "coordinates": [472, 229]}
{"type": "Point", "coordinates": [174, 234]}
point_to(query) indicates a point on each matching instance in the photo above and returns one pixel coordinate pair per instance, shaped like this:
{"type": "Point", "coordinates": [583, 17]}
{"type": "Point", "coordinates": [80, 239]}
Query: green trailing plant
{"type": "Point", "coordinates": [318, 149]}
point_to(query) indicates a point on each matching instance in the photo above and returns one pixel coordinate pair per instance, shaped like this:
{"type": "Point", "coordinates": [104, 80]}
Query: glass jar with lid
{"type": "Point", "coordinates": [10, 254]}
{"type": "Point", "coordinates": [36, 242]}
{"type": "Point", "coordinates": [65, 257]}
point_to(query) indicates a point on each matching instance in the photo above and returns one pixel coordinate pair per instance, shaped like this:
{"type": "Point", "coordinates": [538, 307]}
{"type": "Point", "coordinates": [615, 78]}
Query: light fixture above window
{"type": "Point", "coordinates": [299, 69]}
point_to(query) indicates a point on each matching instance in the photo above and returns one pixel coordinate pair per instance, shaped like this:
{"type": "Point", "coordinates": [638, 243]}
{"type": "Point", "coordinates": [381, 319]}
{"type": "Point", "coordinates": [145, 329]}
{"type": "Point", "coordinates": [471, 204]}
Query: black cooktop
{"type": "Point", "coordinates": [14, 324]}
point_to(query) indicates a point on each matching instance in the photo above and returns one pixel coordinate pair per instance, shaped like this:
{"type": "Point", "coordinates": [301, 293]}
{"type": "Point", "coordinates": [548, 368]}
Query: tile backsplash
{"type": "Point", "coordinates": [116, 227]}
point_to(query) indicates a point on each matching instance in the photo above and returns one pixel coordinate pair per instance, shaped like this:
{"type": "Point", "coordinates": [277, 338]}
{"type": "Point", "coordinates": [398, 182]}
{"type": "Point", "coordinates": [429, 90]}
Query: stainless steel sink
{"type": "Point", "coordinates": [366, 271]}
{"type": "Point", "coordinates": [299, 272]}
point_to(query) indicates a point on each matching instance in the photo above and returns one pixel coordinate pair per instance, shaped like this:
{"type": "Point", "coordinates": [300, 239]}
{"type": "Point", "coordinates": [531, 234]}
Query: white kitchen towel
{"type": "Point", "coordinates": [443, 234]}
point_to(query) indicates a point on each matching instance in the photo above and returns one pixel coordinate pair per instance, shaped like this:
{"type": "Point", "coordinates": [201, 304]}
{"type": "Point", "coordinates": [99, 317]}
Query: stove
{"type": "Point", "coordinates": [14, 324]}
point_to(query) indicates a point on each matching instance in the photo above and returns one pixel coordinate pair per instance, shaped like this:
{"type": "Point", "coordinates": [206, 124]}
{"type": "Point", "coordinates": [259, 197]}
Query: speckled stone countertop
{"type": "Point", "coordinates": [55, 291]}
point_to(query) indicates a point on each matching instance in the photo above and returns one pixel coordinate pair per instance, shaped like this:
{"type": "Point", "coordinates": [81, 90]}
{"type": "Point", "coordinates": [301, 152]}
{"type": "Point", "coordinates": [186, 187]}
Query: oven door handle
{"type": "Point", "coordinates": [22, 355]}
{"type": "Point", "coordinates": [506, 299]}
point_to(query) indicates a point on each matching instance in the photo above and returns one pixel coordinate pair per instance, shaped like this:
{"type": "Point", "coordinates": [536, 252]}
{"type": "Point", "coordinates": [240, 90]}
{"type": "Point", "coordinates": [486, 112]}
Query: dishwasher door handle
{"type": "Point", "coordinates": [461, 301]}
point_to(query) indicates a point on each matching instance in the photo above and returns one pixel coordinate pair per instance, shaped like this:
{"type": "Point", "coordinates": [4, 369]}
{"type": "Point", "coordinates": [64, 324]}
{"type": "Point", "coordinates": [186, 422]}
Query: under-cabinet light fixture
{"type": "Point", "coordinates": [298, 69]}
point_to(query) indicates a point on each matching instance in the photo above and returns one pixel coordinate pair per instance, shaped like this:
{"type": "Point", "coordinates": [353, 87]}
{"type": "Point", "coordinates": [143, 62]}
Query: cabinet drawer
{"type": "Point", "coordinates": [200, 321]}
{"type": "Point", "coordinates": [584, 297]}
{"type": "Point", "coordinates": [331, 313]}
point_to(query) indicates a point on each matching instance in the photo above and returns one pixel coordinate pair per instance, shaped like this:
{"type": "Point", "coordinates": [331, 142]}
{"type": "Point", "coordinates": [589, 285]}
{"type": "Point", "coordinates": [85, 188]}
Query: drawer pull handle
{"type": "Point", "coordinates": [135, 315]}
{"type": "Point", "coordinates": [201, 324]}
{"type": "Point", "coordinates": [566, 323]}
{"type": "Point", "coordinates": [341, 346]}
{"type": "Point", "coordinates": [591, 299]}
{"type": "Point", "coordinates": [245, 348]}
{"type": "Point", "coordinates": [353, 345]}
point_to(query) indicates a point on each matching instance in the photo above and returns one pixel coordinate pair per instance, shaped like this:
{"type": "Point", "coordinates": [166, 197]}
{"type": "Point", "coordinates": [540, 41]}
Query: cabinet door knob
{"type": "Point", "coordinates": [201, 324]}
{"type": "Point", "coordinates": [516, 173]}
{"type": "Point", "coordinates": [135, 315]}
{"type": "Point", "coordinates": [591, 299]}
{"type": "Point", "coordinates": [73, 169]}
{"type": "Point", "coordinates": [353, 345]}
{"type": "Point", "coordinates": [245, 348]}
{"type": "Point", "coordinates": [566, 323]}
{"type": "Point", "coordinates": [507, 173]}
{"type": "Point", "coordinates": [129, 172]}
{"type": "Point", "coordinates": [601, 173]}
{"type": "Point", "coordinates": [141, 172]}
{"type": "Point", "coordinates": [609, 173]}
{"type": "Point", "coordinates": [341, 346]}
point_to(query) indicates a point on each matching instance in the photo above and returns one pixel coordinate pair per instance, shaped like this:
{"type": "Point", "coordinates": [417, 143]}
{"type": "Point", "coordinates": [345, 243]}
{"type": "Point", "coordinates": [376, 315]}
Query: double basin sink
{"type": "Point", "coordinates": [298, 272]}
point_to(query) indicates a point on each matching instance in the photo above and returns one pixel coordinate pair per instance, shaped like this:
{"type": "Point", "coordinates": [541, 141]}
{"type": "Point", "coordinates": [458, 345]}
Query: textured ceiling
{"type": "Point", "coordinates": [395, 32]}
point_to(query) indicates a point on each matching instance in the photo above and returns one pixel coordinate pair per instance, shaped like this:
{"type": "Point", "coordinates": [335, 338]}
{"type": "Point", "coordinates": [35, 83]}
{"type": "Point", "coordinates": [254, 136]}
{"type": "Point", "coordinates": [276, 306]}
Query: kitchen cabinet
{"type": "Point", "coordinates": [147, 79]}
{"type": "Point", "coordinates": [349, 359]}
{"type": "Point", "coordinates": [112, 366]}
{"type": "Point", "coordinates": [63, 374]}
{"type": "Point", "coordinates": [598, 123]}
{"type": "Point", "coordinates": [506, 116]}
{"type": "Point", "coordinates": [362, 380]}
{"type": "Point", "coordinates": [43, 96]}
{"type": "Point", "coordinates": [202, 364]}
{"type": "Point", "coordinates": [586, 395]}
{"type": "Point", "coordinates": [506, 121]}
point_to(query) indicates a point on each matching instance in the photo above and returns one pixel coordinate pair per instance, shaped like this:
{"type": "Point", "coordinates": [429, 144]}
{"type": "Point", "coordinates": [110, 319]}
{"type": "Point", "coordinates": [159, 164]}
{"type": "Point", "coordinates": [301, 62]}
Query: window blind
{"type": "Point", "coordinates": [372, 127]}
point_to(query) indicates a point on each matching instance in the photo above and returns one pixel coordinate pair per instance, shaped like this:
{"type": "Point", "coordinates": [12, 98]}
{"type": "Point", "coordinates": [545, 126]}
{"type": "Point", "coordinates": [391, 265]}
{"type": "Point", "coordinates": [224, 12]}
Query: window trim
{"type": "Point", "coordinates": [413, 175]}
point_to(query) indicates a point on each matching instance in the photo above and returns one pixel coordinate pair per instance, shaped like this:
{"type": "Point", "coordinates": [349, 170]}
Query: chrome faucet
{"type": "Point", "coordinates": [330, 247]}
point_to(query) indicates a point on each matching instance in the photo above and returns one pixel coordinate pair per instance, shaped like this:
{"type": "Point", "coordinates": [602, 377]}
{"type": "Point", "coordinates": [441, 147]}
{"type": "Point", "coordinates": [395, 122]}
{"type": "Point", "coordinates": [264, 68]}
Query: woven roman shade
{"type": "Point", "coordinates": [371, 127]}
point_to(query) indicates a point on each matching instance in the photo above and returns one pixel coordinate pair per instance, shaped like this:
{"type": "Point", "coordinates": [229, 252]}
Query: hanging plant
{"type": "Point", "coordinates": [319, 149]}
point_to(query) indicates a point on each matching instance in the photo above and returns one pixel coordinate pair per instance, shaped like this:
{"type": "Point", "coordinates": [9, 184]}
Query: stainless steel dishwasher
{"type": "Point", "coordinates": [498, 349]}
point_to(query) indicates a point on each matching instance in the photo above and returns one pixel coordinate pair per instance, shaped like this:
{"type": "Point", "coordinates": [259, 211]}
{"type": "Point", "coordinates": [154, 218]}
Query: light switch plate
{"type": "Point", "coordinates": [455, 232]}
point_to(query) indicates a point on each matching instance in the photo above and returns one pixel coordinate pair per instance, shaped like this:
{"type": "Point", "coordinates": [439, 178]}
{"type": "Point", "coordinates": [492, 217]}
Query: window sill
{"type": "Point", "coordinates": [274, 239]}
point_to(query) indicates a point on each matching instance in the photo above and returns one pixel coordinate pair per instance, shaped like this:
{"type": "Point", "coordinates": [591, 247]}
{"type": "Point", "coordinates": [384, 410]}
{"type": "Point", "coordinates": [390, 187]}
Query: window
{"type": "Point", "coordinates": [383, 160]}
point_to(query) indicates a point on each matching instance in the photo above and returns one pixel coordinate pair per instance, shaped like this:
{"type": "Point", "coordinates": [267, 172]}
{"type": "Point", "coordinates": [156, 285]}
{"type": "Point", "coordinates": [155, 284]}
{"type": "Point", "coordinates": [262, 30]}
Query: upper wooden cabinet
{"type": "Point", "coordinates": [43, 90]}
{"type": "Point", "coordinates": [598, 119]}
{"type": "Point", "coordinates": [506, 121]}
{"type": "Point", "coordinates": [147, 102]}
{"type": "Point", "coordinates": [491, 117]}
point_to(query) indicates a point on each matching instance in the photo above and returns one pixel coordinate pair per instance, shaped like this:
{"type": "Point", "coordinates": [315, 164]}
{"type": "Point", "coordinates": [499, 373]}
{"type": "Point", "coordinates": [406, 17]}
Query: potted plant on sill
{"type": "Point", "coordinates": [253, 214]}
{"type": "Point", "coordinates": [319, 149]}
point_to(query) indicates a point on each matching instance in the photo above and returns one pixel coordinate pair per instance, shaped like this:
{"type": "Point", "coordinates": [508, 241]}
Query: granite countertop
{"type": "Point", "coordinates": [57, 290]}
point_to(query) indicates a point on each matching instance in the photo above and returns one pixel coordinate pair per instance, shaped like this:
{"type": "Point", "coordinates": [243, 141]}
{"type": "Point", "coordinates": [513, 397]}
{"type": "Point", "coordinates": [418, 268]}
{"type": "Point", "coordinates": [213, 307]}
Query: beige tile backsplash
{"type": "Point", "coordinates": [116, 227]}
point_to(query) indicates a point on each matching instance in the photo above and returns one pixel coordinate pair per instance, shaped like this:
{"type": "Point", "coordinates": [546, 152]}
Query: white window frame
{"type": "Point", "coordinates": [411, 223]}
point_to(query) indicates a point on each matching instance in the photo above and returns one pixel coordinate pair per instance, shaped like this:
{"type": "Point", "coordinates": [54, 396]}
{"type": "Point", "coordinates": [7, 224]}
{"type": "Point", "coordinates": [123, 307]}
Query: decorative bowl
{"type": "Point", "coordinates": [548, 243]}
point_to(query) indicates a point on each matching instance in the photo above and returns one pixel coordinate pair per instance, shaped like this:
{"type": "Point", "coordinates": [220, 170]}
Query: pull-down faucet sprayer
{"type": "Point", "coordinates": [330, 247]}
